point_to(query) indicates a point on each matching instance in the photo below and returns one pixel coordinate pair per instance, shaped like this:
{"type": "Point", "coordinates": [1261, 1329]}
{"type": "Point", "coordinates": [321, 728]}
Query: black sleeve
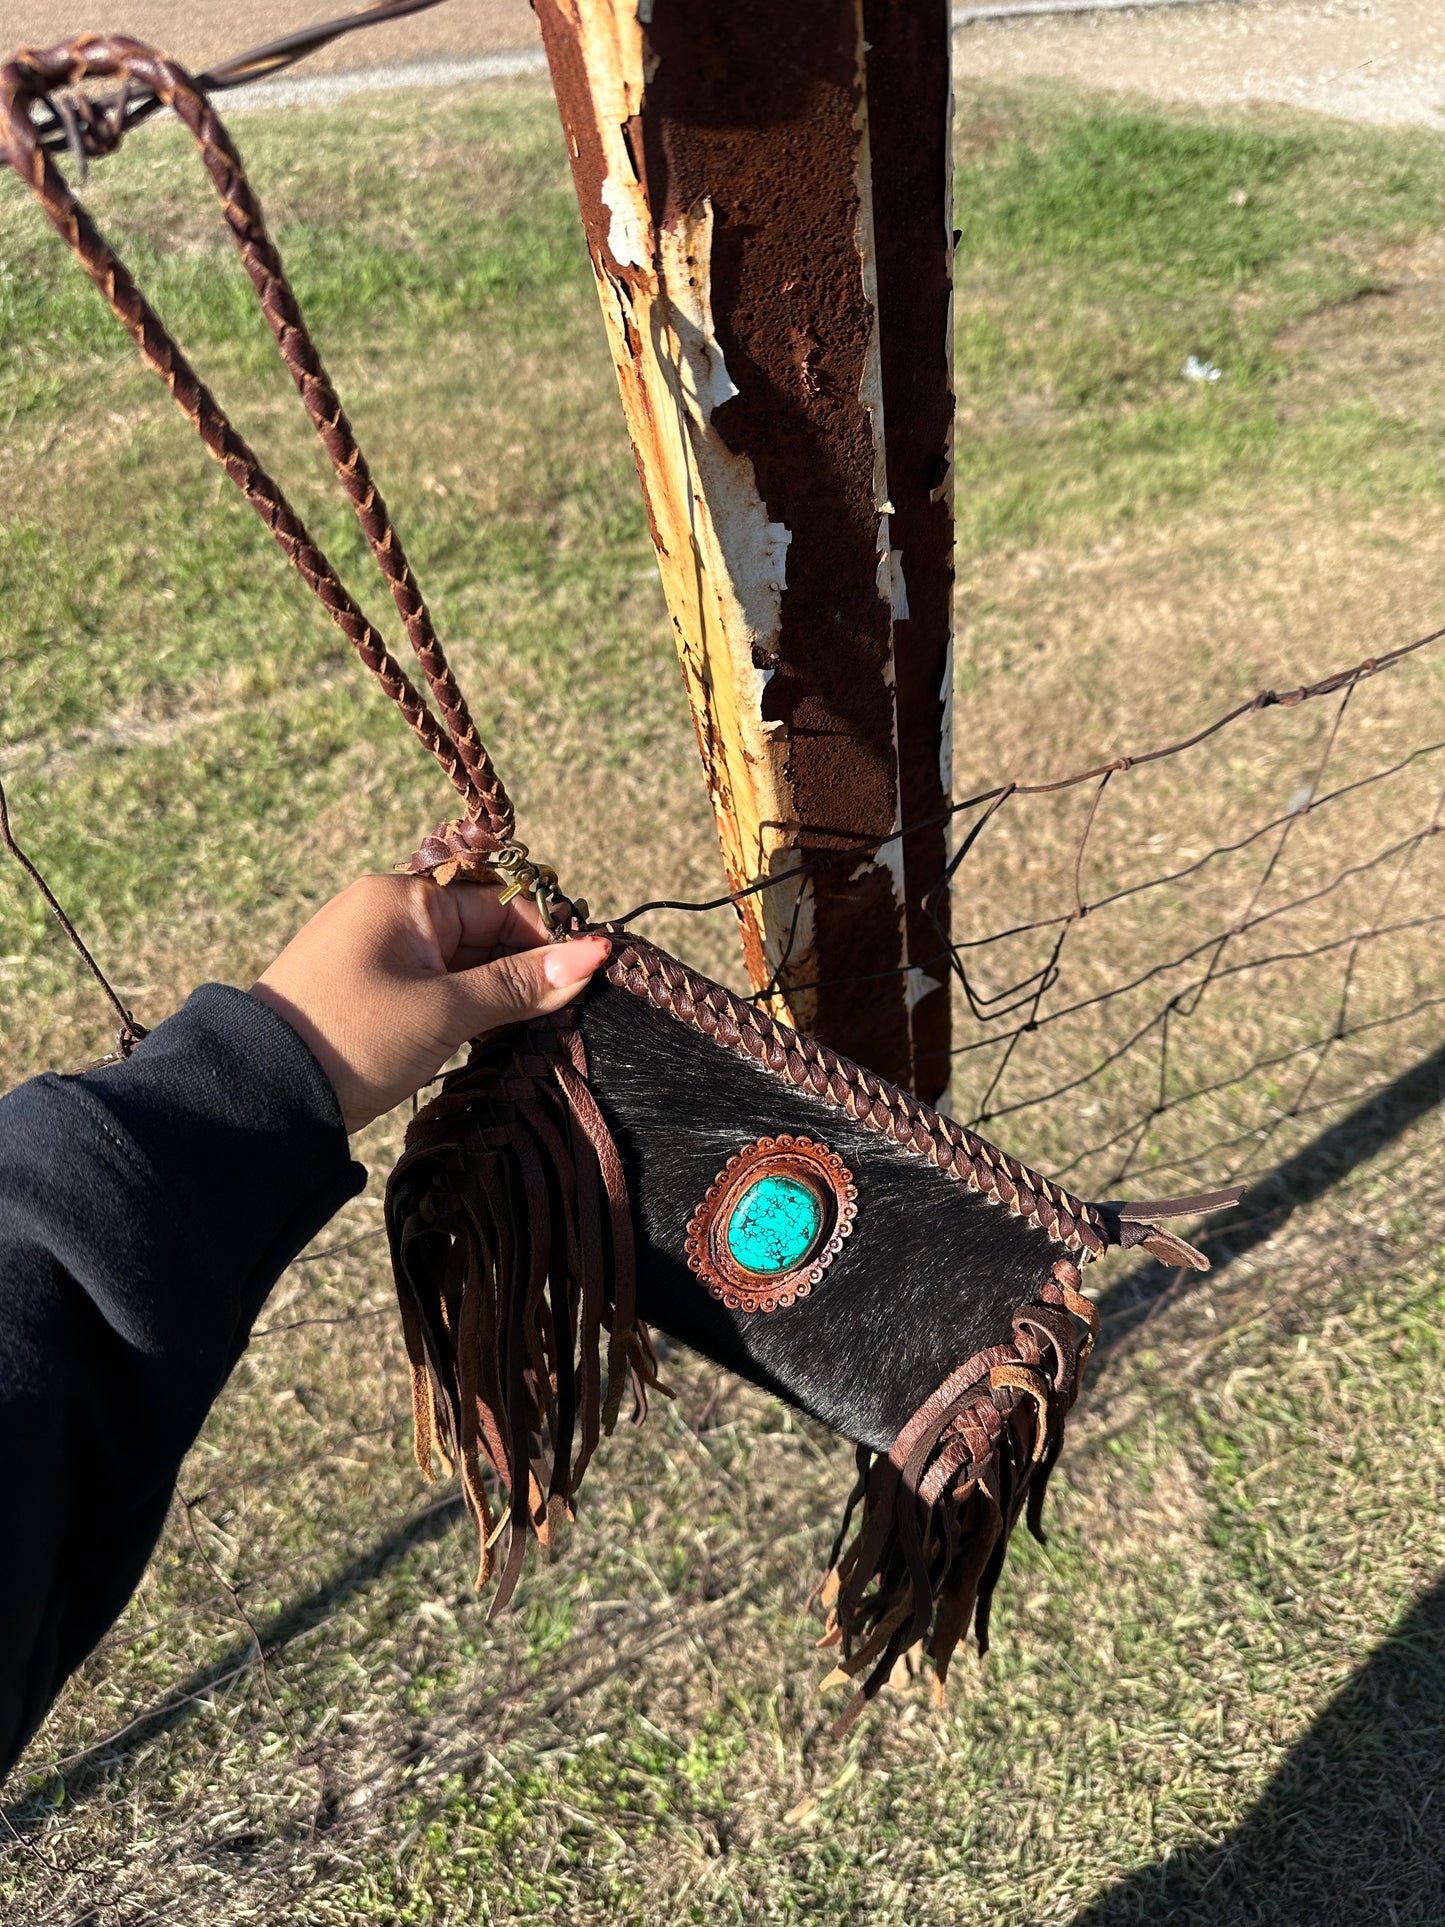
{"type": "Point", "coordinates": [146, 1209]}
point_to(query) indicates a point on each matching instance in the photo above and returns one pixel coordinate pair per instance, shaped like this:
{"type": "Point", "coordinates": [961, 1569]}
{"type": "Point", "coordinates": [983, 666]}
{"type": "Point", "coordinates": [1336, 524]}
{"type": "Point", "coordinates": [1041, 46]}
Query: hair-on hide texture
{"type": "Point", "coordinates": [931, 1273]}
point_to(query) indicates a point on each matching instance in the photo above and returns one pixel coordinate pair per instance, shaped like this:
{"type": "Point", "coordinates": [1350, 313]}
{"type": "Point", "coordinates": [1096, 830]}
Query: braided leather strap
{"type": "Point", "coordinates": [31, 78]}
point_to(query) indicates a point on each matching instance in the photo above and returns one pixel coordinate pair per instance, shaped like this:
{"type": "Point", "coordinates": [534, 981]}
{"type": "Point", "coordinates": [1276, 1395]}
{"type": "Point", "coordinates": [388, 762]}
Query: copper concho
{"type": "Point", "coordinates": [814, 1166]}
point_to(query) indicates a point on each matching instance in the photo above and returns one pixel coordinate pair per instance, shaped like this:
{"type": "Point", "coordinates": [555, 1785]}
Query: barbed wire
{"type": "Point", "coordinates": [91, 125]}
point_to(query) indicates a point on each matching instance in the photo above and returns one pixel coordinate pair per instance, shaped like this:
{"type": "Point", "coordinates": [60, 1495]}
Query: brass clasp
{"type": "Point", "coordinates": [520, 876]}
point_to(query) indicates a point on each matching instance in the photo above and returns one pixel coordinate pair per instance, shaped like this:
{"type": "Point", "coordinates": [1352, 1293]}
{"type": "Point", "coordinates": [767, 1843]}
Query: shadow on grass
{"type": "Point", "coordinates": [1274, 1199]}
{"type": "Point", "coordinates": [1352, 1827]}
{"type": "Point", "coordinates": [82, 1775]}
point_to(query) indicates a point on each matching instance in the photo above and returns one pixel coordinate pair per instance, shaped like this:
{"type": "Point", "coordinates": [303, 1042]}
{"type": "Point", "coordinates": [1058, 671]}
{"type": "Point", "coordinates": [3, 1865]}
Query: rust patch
{"type": "Point", "coordinates": [722, 563]}
{"type": "Point", "coordinates": [760, 109]}
{"type": "Point", "coordinates": [723, 158]}
{"type": "Point", "coordinates": [590, 171]}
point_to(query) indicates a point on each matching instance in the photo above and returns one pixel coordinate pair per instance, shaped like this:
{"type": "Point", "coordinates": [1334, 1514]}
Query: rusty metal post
{"type": "Point", "coordinates": [910, 126]}
{"type": "Point", "coordinates": [722, 153]}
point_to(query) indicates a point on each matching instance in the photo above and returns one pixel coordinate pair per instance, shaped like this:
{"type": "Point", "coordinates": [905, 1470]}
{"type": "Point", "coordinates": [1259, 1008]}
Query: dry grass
{"type": "Point", "coordinates": [1215, 1696]}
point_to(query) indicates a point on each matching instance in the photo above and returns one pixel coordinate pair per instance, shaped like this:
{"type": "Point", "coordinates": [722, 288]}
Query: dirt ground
{"type": "Point", "coordinates": [199, 31]}
{"type": "Point", "coordinates": [1380, 61]}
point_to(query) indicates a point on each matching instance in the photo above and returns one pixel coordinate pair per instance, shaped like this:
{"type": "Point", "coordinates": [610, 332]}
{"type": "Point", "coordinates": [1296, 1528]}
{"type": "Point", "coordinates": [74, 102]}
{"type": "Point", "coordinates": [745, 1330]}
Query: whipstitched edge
{"type": "Point", "coordinates": [731, 1023]}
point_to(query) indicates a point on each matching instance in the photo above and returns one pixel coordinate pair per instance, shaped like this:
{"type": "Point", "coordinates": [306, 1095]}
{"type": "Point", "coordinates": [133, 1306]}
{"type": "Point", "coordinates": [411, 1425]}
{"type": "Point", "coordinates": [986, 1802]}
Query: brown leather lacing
{"type": "Point", "coordinates": [736, 1025]}
{"type": "Point", "coordinates": [1085, 1230]}
{"type": "Point", "coordinates": [30, 80]}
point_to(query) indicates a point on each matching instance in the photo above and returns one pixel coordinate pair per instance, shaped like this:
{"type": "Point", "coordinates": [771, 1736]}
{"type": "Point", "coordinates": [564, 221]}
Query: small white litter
{"type": "Point", "coordinates": [1196, 370]}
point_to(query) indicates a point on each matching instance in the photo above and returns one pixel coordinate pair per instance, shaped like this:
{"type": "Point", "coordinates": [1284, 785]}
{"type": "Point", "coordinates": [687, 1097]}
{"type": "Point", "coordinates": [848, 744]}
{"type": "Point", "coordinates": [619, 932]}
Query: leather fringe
{"type": "Point", "coordinates": [939, 1507]}
{"type": "Point", "coordinates": [511, 1242]}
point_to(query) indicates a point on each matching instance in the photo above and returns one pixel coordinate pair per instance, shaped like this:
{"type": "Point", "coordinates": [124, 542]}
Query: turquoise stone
{"type": "Point", "coordinates": [774, 1225]}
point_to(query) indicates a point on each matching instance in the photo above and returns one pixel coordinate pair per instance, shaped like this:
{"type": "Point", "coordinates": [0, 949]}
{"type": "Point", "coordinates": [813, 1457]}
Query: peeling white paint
{"type": "Point", "coordinates": [725, 488]}
{"type": "Point", "coordinates": [890, 858]}
{"type": "Point", "coordinates": [870, 395]}
{"type": "Point", "coordinates": [723, 561]}
{"type": "Point", "coordinates": [918, 984]}
{"type": "Point", "coordinates": [945, 743]}
{"type": "Point", "coordinates": [626, 232]}
{"type": "Point", "coordinates": [870, 381]}
{"type": "Point", "coordinates": [891, 585]}
{"type": "Point", "coordinates": [685, 254]}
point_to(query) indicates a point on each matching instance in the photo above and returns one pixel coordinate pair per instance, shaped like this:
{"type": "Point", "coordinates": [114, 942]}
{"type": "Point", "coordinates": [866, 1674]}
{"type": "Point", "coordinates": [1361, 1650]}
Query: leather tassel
{"type": "Point", "coordinates": [938, 1509]}
{"type": "Point", "coordinates": [511, 1240]}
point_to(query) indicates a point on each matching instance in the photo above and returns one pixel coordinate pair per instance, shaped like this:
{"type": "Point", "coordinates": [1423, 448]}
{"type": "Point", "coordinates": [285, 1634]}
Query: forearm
{"type": "Point", "coordinates": [147, 1208]}
{"type": "Point", "coordinates": [145, 1211]}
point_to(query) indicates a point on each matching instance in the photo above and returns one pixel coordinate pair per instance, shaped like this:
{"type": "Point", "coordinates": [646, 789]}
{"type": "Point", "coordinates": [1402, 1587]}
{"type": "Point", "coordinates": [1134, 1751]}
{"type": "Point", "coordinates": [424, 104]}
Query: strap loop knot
{"type": "Point", "coordinates": [465, 849]}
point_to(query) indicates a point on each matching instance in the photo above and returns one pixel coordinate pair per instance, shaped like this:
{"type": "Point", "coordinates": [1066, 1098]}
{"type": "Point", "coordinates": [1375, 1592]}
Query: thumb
{"type": "Point", "coordinates": [514, 988]}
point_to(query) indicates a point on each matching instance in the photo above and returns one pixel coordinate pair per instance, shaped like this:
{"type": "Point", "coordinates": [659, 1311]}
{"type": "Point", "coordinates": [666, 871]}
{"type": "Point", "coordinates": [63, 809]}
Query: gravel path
{"type": "Point", "coordinates": [1367, 60]}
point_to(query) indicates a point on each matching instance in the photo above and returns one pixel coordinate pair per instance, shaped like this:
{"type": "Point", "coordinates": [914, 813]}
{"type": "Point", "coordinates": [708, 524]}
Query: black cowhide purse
{"type": "Point", "coordinates": [662, 1152]}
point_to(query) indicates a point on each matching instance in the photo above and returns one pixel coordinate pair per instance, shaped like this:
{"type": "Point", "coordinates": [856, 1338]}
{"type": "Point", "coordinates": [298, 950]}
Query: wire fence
{"type": "Point", "coordinates": [1148, 1005]}
{"type": "Point", "coordinates": [1188, 960]}
{"type": "Point", "coordinates": [1167, 983]}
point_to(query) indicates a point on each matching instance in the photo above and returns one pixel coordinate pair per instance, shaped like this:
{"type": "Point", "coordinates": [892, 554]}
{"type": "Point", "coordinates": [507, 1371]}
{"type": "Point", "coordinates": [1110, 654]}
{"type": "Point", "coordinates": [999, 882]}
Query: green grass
{"type": "Point", "coordinates": [1098, 250]}
{"type": "Point", "coordinates": [1216, 1696]}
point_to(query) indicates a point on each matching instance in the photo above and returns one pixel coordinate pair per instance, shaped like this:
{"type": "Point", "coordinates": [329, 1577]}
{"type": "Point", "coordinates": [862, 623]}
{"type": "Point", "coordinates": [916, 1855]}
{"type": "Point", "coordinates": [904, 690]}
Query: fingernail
{"type": "Point", "coordinates": [569, 963]}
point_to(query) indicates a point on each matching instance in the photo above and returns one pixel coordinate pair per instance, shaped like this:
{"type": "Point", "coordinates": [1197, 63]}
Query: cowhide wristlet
{"type": "Point", "coordinates": [666, 1154]}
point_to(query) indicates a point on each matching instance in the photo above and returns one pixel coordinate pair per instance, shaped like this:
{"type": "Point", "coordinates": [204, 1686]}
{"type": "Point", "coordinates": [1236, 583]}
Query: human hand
{"type": "Point", "coordinates": [393, 976]}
